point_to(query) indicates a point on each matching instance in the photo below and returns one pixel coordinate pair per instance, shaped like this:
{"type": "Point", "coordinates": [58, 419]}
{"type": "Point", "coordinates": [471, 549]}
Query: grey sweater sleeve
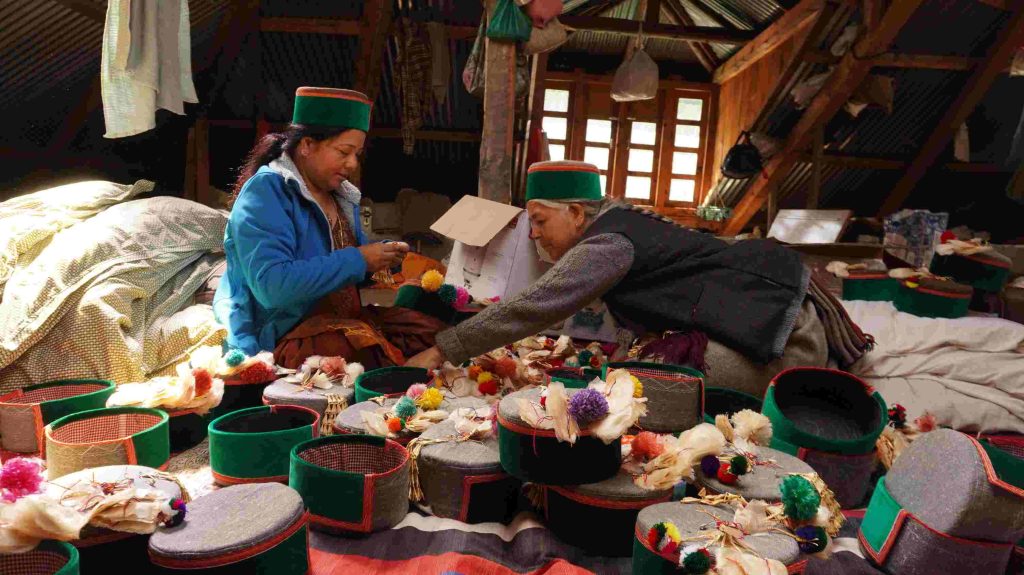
{"type": "Point", "coordinates": [582, 275]}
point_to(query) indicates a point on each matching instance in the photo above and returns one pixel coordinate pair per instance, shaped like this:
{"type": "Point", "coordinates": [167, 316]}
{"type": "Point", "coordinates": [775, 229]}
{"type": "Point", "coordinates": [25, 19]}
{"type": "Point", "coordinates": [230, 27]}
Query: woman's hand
{"type": "Point", "coordinates": [429, 359]}
{"type": "Point", "coordinates": [383, 255]}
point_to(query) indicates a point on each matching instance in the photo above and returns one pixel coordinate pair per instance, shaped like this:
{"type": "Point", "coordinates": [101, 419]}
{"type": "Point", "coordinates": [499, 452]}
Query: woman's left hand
{"type": "Point", "coordinates": [429, 359]}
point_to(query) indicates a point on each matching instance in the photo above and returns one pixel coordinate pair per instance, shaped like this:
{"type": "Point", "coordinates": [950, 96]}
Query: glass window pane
{"type": "Point", "coordinates": [638, 188]}
{"type": "Point", "coordinates": [596, 156]}
{"type": "Point", "coordinates": [689, 109]}
{"type": "Point", "coordinates": [687, 136]}
{"type": "Point", "coordinates": [557, 151]}
{"type": "Point", "coordinates": [556, 100]}
{"type": "Point", "coordinates": [599, 131]}
{"type": "Point", "coordinates": [604, 184]}
{"type": "Point", "coordinates": [554, 127]}
{"type": "Point", "coordinates": [684, 163]}
{"type": "Point", "coordinates": [643, 133]}
{"type": "Point", "coordinates": [681, 191]}
{"type": "Point", "coordinates": [641, 161]}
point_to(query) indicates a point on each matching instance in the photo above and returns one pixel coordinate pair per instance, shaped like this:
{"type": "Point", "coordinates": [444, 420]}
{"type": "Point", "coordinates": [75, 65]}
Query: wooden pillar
{"type": "Point", "coordinates": [499, 113]}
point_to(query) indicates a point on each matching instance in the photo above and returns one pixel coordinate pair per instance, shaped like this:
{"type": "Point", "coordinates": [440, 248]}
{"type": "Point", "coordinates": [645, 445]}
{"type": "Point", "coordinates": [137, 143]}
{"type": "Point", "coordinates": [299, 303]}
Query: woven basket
{"type": "Point", "coordinates": [536, 455]}
{"type": "Point", "coordinates": [675, 395]}
{"type": "Point", "coordinates": [252, 445]}
{"type": "Point", "coordinates": [49, 558]}
{"type": "Point", "coordinates": [187, 428]}
{"type": "Point", "coordinates": [327, 402]}
{"type": "Point", "coordinates": [725, 401]}
{"type": "Point", "coordinates": [463, 480]}
{"type": "Point", "coordinates": [352, 483]}
{"type": "Point", "coordinates": [25, 412]}
{"type": "Point", "coordinates": [831, 420]}
{"type": "Point", "coordinates": [599, 517]}
{"type": "Point", "coordinates": [388, 381]}
{"type": "Point", "coordinates": [107, 436]}
{"type": "Point", "coordinates": [870, 286]}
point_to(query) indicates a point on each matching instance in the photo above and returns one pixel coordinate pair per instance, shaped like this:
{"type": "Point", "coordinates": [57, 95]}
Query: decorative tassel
{"type": "Point", "coordinates": [678, 349]}
{"type": "Point", "coordinates": [203, 381]}
{"type": "Point", "coordinates": [431, 281]}
{"type": "Point", "coordinates": [697, 562]}
{"type": "Point", "coordinates": [234, 358]}
{"type": "Point", "coordinates": [800, 499]}
{"type": "Point", "coordinates": [587, 405]}
{"type": "Point", "coordinates": [814, 539]}
{"type": "Point", "coordinates": [739, 465]}
{"type": "Point", "coordinates": [709, 465]}
{"type": "Point", "coordinates": [405, 408]}
{"type": "Point", "coordinates": [179, 509]}
{"type": "Point", "coordinates": [430, 399]}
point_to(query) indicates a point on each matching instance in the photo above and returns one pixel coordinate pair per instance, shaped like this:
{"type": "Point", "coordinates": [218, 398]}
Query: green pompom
{"type": "Point", "coordinates": [800, 500]}
{"type": "Point", "coordinates": [234, 358]}
{"type": "Point", "coordinates": [584, 357]}
{"type": "Point", "coordinates": [696, 563]}
{"type": "Point", "coordinates": [448, 294]}
{"type": "Point", "coordinates": [739, 465]}
{"type": "Point", "coordinates": [405, 408]}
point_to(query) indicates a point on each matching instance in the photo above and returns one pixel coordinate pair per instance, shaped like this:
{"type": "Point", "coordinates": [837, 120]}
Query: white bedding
{"type": "Point", "coordinates": [969, 372]}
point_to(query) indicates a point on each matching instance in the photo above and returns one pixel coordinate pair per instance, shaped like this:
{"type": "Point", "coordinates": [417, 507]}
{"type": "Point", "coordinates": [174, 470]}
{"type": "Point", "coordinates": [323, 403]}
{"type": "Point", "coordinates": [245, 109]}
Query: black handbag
{"type": "Point", "coordinates": [743, 159]}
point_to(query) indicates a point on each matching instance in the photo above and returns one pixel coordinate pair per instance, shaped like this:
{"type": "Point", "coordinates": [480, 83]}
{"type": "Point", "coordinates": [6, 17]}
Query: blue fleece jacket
{"type": "Point", "coordinates": [280, 257]}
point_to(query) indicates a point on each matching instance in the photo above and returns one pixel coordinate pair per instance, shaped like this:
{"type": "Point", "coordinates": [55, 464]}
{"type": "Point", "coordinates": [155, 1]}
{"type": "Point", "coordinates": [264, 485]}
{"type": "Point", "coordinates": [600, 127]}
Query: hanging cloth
{"type": "Point", "coordinates": [440, 61]}
{"type": "Point", "coordinates": [146, 63]}
{"type": "Point", "coordinates": [414, 81]}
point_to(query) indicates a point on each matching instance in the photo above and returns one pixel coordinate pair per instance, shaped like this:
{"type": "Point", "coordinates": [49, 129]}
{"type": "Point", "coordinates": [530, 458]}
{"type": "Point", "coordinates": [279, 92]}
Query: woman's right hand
{"type": "Point", "coordinates": [383, 255]}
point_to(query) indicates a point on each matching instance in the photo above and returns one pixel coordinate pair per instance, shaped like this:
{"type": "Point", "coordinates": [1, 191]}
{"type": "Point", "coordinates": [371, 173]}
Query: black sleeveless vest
{"type": "Point", "coordinates": [745, 295]}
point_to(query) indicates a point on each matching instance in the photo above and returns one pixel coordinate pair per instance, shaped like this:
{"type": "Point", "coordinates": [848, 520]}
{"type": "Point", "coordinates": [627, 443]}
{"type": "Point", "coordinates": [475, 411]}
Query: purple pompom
{"type": "Point", "coordinates": [587, 405]}
{"type": "Point", "coordinates": [709, 465]}
{"type": "Point", "coordinates": [816, 539]}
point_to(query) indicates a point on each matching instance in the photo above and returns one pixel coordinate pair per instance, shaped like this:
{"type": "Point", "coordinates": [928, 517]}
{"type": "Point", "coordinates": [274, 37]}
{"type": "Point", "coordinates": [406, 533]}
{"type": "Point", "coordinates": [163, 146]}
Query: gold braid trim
{"type": "Point", "coordinates": [414, 447]}
{"type": "Point", "coordinates": [336, 403]}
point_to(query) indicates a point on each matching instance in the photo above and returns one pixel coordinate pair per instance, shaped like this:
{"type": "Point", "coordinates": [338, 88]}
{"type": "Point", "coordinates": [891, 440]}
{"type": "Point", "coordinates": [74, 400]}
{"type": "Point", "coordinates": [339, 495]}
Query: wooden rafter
{"type": "Point", "coordinates": [711, 13]}
{"type": "Point", "coordinates": [975, 88]}
{"type": "Point", "coordinates": [914, 61]}
{"type": "Point", "coordinates": [373, 35]}
{"type": "Point", "coordinates": [882, 163]}
{"type": "Point", "coordinates": [702, 50]}
{"type": "Point", "coordinates": [341, 27]}
{"type": "Point", "coordinates": [846, 77]}
{"type": "Point", "coordinates": [595, 8]}
{"type": "Point", "coordinates": [793, 22]}
{"type": "Point", "coordinates": [631, 27]}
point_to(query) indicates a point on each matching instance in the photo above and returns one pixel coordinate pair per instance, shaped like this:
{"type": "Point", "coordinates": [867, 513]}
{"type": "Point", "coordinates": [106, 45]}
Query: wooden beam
{"type": "Point", "coordinates": [817, 151]}
{"type": "Point", "coordinates": [791, 23]}
{"type": "Point", "coordinates": [914, 61]}
{"type": "Point", "coordinates": [977, 85]}
{"type": "Point", "coordinates": [631, 27]}
{"type": "Point", "coordinates": [87, 8]}
{"type": "Point", "coordinates": [704, 53]}
{"type": "Point", "coordinates": [499, 111]}
{"type": "Point", "coordinates": [653, 13]}
{"type": "Point", "coordinates": [881, 163]}
{"type": "Point", "coordinates": [846, 77]}
{"type": "Point", "coordinates": [594, 8]}
{"type": "Point", "coordinates": [373, 36]}
{"type": "Point", "coordinates": [712, 14]}
{"type": "Point", "coordinates": [341, 27]}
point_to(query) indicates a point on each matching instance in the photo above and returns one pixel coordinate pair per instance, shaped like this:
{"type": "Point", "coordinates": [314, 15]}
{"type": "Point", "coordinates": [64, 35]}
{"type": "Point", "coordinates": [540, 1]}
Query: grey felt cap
{"type": "Point", "coordinates": [230, 520]}
{"type": "Point", "coordinates": [443, 468]}
{"type": "Point", "coordinates": [921, 551]}
{"type": "Point", "coordinates": [350, 419]}
{"type": "Point", "coordinates": [620, 487]}
{"type": "Point", "coordinates": [283, 393]}
{"type": "Point", "coordinates": [941, 478]}
{"type": "Point", "coordinates": [692, 520]}
{"type": "Point", "coordinates": [762, 481]}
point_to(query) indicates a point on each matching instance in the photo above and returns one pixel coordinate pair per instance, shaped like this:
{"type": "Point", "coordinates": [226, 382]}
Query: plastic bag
{"type": "Point", "coordinates": [743, 160]}
{"type": "Point", "coordinates": [473, 73]}
{"type": "Point", "coordinates": [508, 23]}
{"type": "Point", "coordinates": [546, 39]}
{"type": "Point", "coordinates": [912, 235]}
{"type": "Point", "coordinates": [636, 79]}
{"type": "Point", "coordinates": [543, 11]}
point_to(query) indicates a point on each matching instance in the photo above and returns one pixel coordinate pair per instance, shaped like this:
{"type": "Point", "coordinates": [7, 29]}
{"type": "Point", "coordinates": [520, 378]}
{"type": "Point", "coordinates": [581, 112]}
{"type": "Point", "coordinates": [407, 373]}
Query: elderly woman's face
{"type": "Point", "coordinates": [332, 161]}
{"type": "Point", "coordinates": [555, 230]}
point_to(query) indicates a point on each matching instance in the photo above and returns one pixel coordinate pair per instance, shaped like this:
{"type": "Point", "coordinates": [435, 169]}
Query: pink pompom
{"type": "Point", "coordinates": [20, 476]}
{"type": "Point", "coordinates": [461, 297]}
{"type": "Point", "coordinates": [416, 390]}
{"type": "Point", "coordinates": [333, 366]}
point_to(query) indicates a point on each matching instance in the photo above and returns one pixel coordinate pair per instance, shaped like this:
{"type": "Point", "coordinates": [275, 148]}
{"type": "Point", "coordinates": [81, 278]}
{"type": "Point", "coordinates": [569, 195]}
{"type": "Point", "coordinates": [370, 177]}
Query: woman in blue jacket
{"type": "Point", "coordinates": [295, 249]}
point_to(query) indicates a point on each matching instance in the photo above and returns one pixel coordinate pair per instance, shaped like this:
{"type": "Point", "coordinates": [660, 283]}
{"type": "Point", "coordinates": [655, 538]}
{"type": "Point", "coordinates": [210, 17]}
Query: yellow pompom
{"type": "Point", "coordinates": [432, 281]}
{"type": "Point", "coordinates": [430, 399]}
{"type": "Point", "coordinates": [484, 377]}
{"type": "Point", "coordinates": [638, 388]}
{"type": "Point", "coordinates": [438, 382]}
{"type": "Point", "coordinates": [672, 532]}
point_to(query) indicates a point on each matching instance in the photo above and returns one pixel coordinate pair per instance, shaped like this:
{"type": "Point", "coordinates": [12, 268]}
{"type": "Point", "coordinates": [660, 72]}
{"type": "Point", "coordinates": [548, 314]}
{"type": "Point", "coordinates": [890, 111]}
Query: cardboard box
{"type": "Point", "coordinates": [493, 255]}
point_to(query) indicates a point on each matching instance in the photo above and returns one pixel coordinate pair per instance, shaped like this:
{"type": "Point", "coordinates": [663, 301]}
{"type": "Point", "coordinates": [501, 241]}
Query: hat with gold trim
{"type": "Point", "coordinates": [332, 107]}
{"type": "Point", "coordinates": [563, 180]}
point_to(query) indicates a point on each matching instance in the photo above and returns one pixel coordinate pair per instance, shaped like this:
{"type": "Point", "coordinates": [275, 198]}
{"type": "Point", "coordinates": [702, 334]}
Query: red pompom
{"type": "Point", "coordinates": [204, 381]}
{"type": "Point", "coordinates": [489, 387]}
{"type": "Point", "coordinates": [725, 476]}
{"type": "Point", "coordinates": [646, 445]}
{"type": "Point", "coordinates": [394, 424]}
{"type": "Point", "coordinates": [670, 549]}
{"type": "Point", "coordinates": [653, 537]}
{"type": "Point", "coordinates": [506, 367]}
{"type": "Point", "coordinates": [258, 372]}
{"type": "Point", "coordinates": [946, 236]}
{"type": "Point", "coordinates": [543, 401]}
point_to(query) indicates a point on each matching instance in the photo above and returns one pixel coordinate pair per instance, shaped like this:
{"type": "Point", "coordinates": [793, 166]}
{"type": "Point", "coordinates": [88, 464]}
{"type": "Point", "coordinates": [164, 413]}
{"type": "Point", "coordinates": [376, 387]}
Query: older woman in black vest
{"type": "Point", "coordinates": [754, 299]}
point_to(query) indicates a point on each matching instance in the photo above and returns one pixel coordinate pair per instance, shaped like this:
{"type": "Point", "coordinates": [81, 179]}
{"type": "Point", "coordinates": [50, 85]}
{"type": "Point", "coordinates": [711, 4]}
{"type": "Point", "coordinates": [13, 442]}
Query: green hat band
{"type": "Point", "coordinates": [314, 108]}
{"type": "Point", "coordinates": [252, 445]}
{"type": "Point", "coordinates": [553, 184]}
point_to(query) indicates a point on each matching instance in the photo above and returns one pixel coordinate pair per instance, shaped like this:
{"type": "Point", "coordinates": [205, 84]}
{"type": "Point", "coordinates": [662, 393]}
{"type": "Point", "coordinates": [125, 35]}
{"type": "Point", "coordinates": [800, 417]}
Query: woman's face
{"type": "Point", "coordinates": [330, 162]}
{"type": "Point", "coordinates": [555, 230]}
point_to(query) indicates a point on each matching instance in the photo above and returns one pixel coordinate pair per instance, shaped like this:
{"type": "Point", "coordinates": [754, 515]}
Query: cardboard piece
{"type": "Point", "coordinates": [809, 226]}
{"type": "Point", "coordinates": [493, 255]}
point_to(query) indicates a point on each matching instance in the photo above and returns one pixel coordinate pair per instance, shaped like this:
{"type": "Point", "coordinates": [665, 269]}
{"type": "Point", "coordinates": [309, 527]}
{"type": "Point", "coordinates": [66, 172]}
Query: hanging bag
{"type": "Point", "coordinates": [743, 159]}
{"type": "Point", "coordinates": [473, 73]}
{"type": "Point", "coordinates": [508, 23]}
{"type": "Point", "coordinates": [547, 38]}
{"type": "Point", "coordinates": [637, 78]}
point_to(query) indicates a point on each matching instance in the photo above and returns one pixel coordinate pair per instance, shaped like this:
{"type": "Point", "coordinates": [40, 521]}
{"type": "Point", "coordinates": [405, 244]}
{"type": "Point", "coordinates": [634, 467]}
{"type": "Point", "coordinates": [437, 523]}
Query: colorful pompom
{"type": "Point", "coordinates": [646, 445]}
{"type": "Point", "coordinates": [654, 535]}
{"type": "Point", "coordinates": [506, 367]}
{"type": "Point", "coordinates": [898, 416]}
{"type": "Point", "coordinates": [258, 372]}
{"type": "Point", "coordinates": [587, 405]}
{"type": "Point", "coordinates": [474, 372]}
{"type": "Point", "coordinates": [461, 297]}
{"type": "Point", "coordinates": [395, 424]}
{"type": "Point", "coordinates": [234, 358]}
{"type": "Point", "coordinates": [448, 294]}
{"type": "Point", "coordinates": [595, 361]}
{"type": "Point", "coordinates": [203, 381]}
{"type": "Point", "coordinates": [584, 357]}
{"type": "Point", "coordinates": [800, 500]}
{"type": "Point", "coordinates": [739, 465]}
{"type": "Point", "coordinates": [946, 236]}
{"type": "Point", "coordinates": [415, 390]}
{"type": "Point", "coordinates": [179, 509]}
{"type": "Point", "coordinates": [815, 539]}
{"type": "Point", "coordinates": [697, 562]}
{"type": "Point", "coordinates": [725, 476]}
{"type": "Point", "coordinates": [333, 366]}
{"type": "Point", "coordinates": [925, 423]}
{"type": "Point", "coordinates": [638, 387]}
{"type": "Point", "coordinates": [709, 465]}
{"type": "Point", "coordinates": [432, 281]}
{"type": "Point", "coordinates": [20, 476]}
{"type": "Point", "coordinates": [430, 399]}
{"type": "Point", "coordinates": [484, 377]}
{"type": "Point", "coordinates": [405, 408]}
{"type": "Point", "coordinates": [662, 535]}
{"type": "Point", "coordinates": [488, 386]}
